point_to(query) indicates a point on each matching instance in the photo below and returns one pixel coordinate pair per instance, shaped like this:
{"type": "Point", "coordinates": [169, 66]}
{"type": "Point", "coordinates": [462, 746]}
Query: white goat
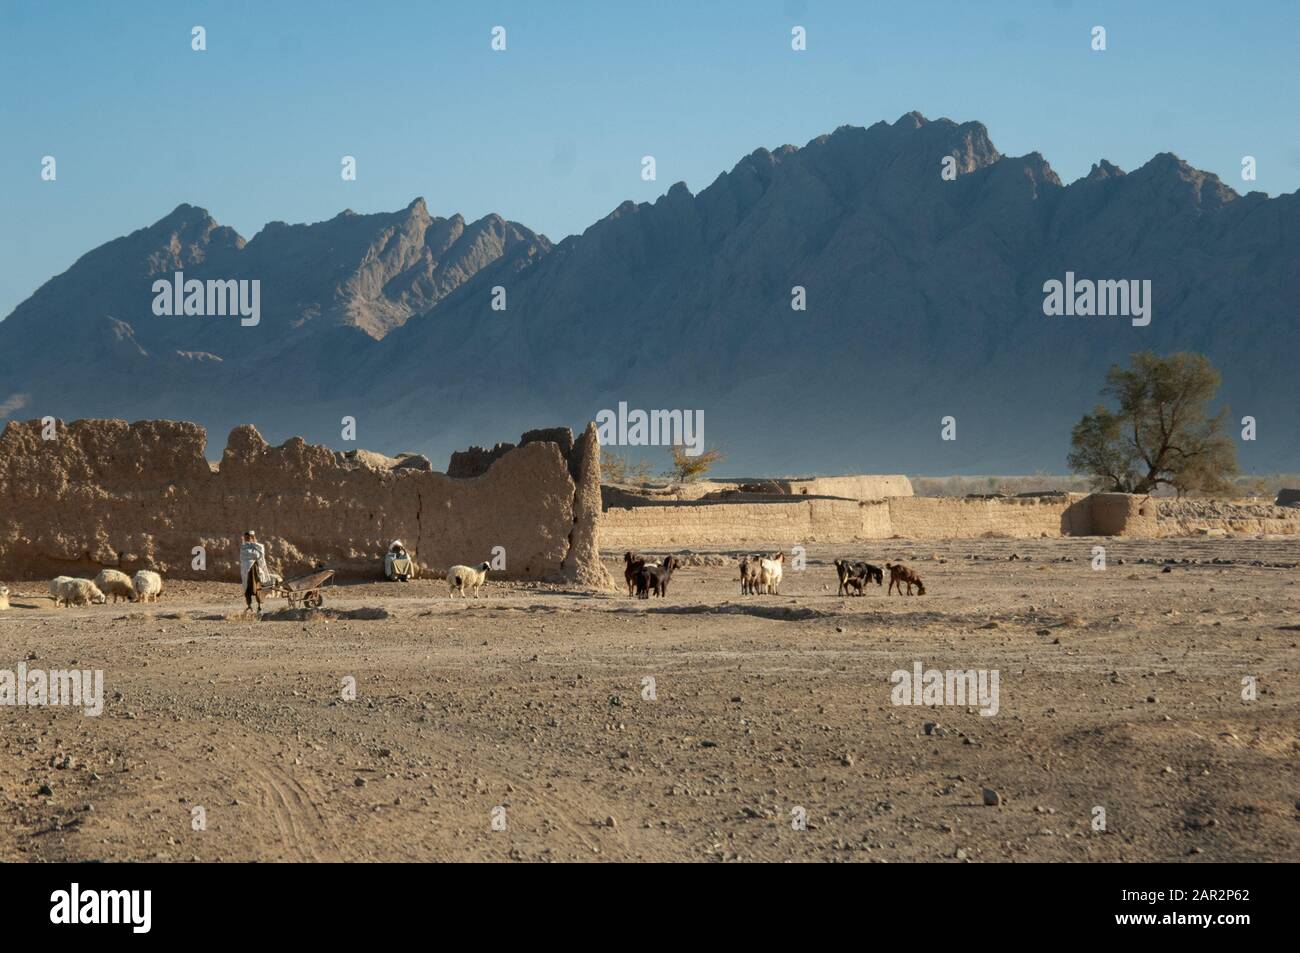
{"type": "Point", "coordinates": [770, 574]}
{"type": "Point", "coordinates": [117, 584]}
{"type": "Point", "coordinates": [148, 585]}
{"type": "Point", "coordinates": [460, 578]}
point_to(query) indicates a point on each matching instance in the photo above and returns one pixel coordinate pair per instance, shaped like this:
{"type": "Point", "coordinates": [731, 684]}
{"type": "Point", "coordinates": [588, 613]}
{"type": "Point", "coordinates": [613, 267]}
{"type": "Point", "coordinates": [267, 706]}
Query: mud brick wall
{"type": "Point", "coordinates": [932, 517]}
{"type": "Point", "coordinates": [105, 493]}
{"type": "Point", "coordinates": [826, 520]}
{"type": "Point", "coordinates": [653, 524]}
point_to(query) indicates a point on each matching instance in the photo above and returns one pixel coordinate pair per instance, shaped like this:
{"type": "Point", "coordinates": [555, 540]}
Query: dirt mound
{"type": "Point", "coordinates": [366, 614]}
{"type": "Point", "coordinates": [779, 613]}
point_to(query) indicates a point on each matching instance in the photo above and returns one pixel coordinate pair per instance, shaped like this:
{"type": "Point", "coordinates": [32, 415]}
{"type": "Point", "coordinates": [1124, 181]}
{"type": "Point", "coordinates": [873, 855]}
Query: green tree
{"type": "Point", "coordinates": [1161, 434]}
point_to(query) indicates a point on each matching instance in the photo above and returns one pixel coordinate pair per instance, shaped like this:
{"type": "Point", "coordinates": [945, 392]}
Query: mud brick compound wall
{"type": "Point", "coordinates": [655, 524]}
{"type": "Point", "coordinates": [105, 493]}
{"type": "Point", "coordinates": [829, 520]}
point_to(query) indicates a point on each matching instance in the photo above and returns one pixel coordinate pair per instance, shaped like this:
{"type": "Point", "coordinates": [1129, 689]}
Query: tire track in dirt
{"type": "Point", "coordinates": [293, 810]}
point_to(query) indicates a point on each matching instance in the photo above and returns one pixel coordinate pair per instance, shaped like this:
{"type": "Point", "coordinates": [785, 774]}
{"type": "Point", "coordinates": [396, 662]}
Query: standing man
{"type": "Point", "coordinates": [252, 558]}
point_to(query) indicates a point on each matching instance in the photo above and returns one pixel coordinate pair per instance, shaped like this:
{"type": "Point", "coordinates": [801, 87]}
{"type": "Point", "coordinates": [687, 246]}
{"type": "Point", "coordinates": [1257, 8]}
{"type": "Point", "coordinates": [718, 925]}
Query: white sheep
{"type": "Point", "coordinates": [148, 585]}
{"type": "Point", "coordinates": [55, 585]}
{"type": "Point", "coordinates": [770, 574]}
{"type": "Point", "coordinates": [112, 582]}
{"type": "Point", "coordinates": [81, 592]}
{"type": "Point", "coordinates": [460, 578]}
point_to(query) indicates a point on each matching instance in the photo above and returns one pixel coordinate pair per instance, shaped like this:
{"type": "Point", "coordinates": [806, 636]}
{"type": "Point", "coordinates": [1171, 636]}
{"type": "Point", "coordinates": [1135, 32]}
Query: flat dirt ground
{"type": "Point", "coordinates": [1118, 690]}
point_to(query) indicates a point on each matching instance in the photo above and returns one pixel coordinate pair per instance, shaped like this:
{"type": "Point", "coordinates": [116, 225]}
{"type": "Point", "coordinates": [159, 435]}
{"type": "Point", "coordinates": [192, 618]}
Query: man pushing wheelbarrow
{"type": "Point", "coordinates": [257, 579]}
{"type": "Point", "coordinates": [252, 571]}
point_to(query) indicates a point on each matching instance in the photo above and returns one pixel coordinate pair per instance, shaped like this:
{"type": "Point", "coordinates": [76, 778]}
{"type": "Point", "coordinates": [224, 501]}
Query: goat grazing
{"type": "Point", "coordinates": [900, 574]}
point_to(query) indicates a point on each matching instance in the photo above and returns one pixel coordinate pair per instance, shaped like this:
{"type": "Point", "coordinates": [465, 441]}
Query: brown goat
{"type": "Point", "coordinates": [751, 570]}
{"type": "Point", "coordinates": [633, 564]}
{"type": "Point", "coordinates": [900, 574]}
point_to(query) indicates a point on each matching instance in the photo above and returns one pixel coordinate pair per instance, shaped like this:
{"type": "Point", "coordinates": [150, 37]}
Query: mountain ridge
{"type": "Point", "coordinates": [920, 290]}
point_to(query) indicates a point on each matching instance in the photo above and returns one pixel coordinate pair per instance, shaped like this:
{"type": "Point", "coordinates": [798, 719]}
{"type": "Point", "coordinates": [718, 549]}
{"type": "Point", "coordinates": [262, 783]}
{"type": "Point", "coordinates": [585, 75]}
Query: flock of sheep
{"type": "Point", "coordinates": [144, 586]}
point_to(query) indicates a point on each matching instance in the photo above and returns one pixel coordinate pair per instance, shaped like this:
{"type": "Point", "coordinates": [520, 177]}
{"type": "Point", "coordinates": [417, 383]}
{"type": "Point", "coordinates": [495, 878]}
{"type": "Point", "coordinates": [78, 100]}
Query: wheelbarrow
{"type": "Point", "coordinates": [306, 589]}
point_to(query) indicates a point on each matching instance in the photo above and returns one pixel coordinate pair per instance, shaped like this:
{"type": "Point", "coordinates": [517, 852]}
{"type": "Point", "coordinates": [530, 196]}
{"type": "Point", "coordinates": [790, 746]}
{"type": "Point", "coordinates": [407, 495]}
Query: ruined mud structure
{"type": "Point", "coordinates": [105, 493]}
{"type": "Point", "coordinates": [651, 522]}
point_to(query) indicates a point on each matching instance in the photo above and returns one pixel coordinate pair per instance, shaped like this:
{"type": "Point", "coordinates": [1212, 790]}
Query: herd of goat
{"type": "Point", "coordinates": [761, 575]}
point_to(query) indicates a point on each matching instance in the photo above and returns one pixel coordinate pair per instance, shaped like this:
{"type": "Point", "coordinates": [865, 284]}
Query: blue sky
{"type": "Point", "coordinates": [550, 133]}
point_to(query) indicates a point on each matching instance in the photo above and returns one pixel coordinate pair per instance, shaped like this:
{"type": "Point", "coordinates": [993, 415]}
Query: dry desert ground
{"type": "Point", "coordinates": [1119, 689]}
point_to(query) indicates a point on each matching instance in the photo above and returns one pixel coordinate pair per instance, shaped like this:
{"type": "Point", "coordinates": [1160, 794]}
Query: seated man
{"type": "Point", "coordinates": [398, 564]}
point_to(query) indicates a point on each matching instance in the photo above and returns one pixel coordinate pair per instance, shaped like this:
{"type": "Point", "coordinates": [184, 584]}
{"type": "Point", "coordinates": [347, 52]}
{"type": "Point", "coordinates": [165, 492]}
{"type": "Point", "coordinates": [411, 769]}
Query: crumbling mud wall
{"type": "Point", "coordinates": [665, 525]}
{"type": "Point", "coordinates": [476, 460]}
{"type": "Point", "coordinates": [829, 520]}
{"type": "Point", "coordinates": [648, 525]}
{"type": "Point", "coordinates": [136, 496]}
{"type": "Point", "coordinates": [582, 564]}
{"type": "Point", "coordinates": [1123, 514]}
{"type": "Point", "coordinates": [865, 487]}
{"type": "Point", "coordinates": [1229, 518]}
{"type": "Point", "coordinates": [935, 517]}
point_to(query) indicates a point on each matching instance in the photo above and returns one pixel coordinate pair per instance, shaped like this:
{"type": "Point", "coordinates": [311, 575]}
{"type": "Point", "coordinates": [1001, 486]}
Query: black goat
{"type": "Point", "coordinates": [655, 578]}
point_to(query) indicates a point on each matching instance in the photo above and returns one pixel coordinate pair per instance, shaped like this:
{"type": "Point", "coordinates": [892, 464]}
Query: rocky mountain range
{"type": "Point", "coordinates": [924, 299]}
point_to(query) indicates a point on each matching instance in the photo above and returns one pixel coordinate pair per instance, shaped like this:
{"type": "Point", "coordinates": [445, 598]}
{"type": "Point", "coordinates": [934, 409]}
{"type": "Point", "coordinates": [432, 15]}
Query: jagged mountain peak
{"type": "Point", "coordinates": [918, 286]}
{"type": "Point", "coordinates": [184, 213]}
{"type": "Point", "coordinates": [1102, 170]}
{"type": "Point", "coordinates": [1171, 176]}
